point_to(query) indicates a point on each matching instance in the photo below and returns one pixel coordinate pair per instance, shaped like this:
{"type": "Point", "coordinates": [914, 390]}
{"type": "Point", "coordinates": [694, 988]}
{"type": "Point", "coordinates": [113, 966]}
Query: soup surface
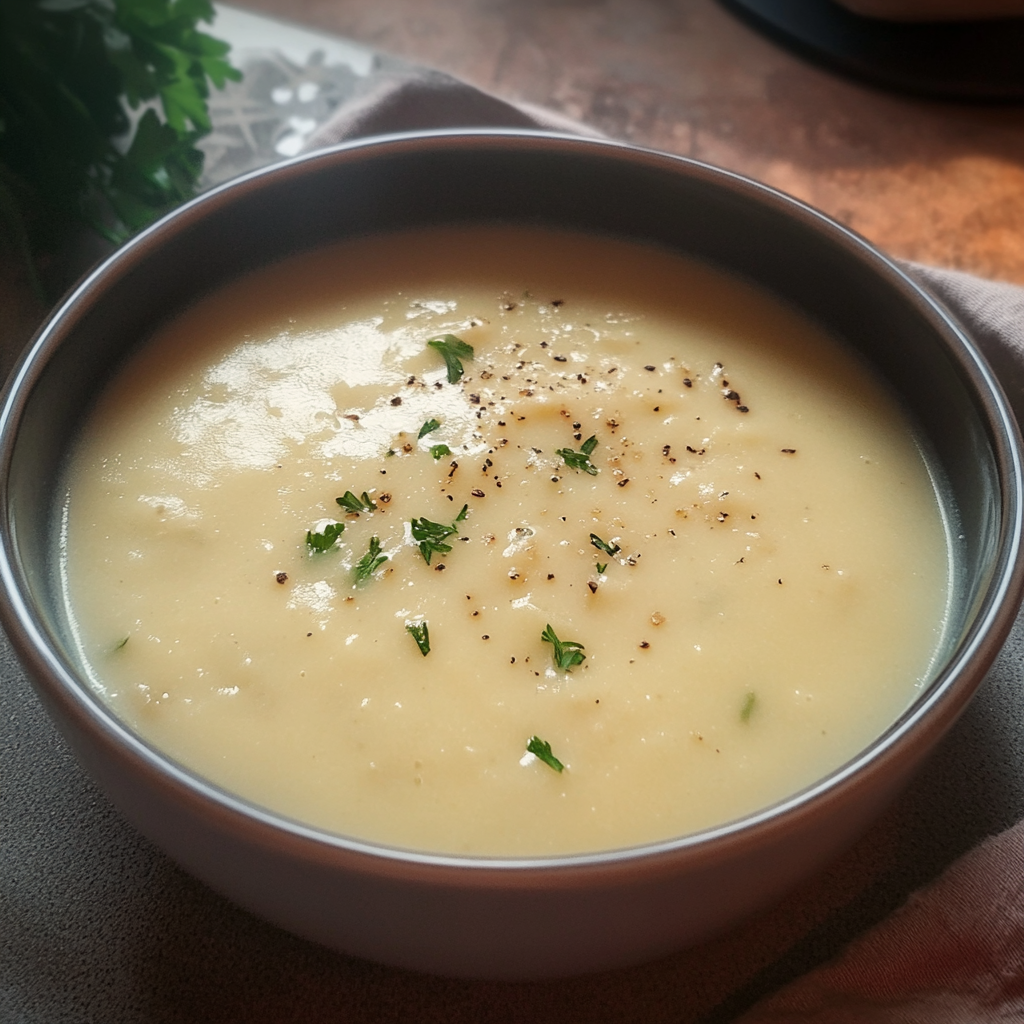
{"type": "Point", "coordinates": [701, 561]}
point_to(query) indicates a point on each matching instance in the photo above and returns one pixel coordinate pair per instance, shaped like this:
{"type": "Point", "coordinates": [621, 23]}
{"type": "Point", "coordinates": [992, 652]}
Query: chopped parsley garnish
{"type": "Point", "coordinates": [431, 536]}
{"type": "Point", "coordinates": [389, 453]}
{"type": "Point", "coordinates": [453, 350]}
{"type": "Point", "coordinates": [567, 653]}
{"type": "Point", "coordinates": [580, 460]}
{"type": "Point", "coordinates": [428, 428]}
{"type": "Point", "coordinates": [323, 541]}
{"type": "Point", "coordinates": [370, 562]}
{"type": "Point", "coordinates": [420, 632]}
{"type": "Point", "coordinates": [439, 451]}
{"type": "Point", "coordinates": [749, 702]}
{"type": "Point", "coordinates": [353, 504]}
{"type": "Point", "coordinates": [602, 545]}
{"type": "Point", "coordinates": [121, 643]}
{"type": "Point", "coordinates": [601, 568]}
{"type": "Point", "coordinates": [541, 749]}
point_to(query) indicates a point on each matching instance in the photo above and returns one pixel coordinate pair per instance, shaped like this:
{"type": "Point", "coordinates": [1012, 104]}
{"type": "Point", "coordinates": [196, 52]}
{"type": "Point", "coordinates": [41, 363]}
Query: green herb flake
{"type": "Point", "coordinates": [601, 567]}
{"type": "Point", "coordinates": [580, 460]}
{"type": "Point", "coordinates": [453, 350]}
{"type": "Point", "coordinates": [542, 751]}
{"type": "Point", "coordinates": [567, 653]}
{"type": "Point", "coordinates": [390, 453]}
{"type": "Point", "coordinates": [603, 545]}
{"type": "Point", "coordinates": [428, 428]}
{"type": "Point", "coordinates": [420, 632]}
{"type": "Point", "coordinates": [121, 643]}
{"type": "Point", "coordinates": [439, 451]}
{"type": "Point", "coordinates": [749, 703]}
{"type": "Point", "coordinates": [370, 562]}
{"type": "Point", "coordinates": [323, 541]}
{"type": "Point", "coordinates": [364, 504]}
{"type": "Point", "coordinates": [432, 536]}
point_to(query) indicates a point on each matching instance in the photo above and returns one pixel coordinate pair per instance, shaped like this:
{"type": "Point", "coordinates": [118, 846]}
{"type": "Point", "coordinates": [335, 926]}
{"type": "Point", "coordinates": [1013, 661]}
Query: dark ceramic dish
{"type": "Point", "coordinates": [521, 917]}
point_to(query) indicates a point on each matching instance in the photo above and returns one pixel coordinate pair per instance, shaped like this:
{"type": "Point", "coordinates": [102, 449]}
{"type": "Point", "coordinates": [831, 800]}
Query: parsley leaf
{"type": "Point", "coordinates": [71, 73]}
{"type": "Point", "coordinates": [601, 568]}
{"type": "Point", "coordinates": [567, 653]}
{"type": "Point", "coordinates": [542, 751]}
{"type": "Point", "coordinates": [749, 703]}
{"type": "Point", "coordinates": [121, 643]}
{"type": "Point", "coordinates": [431, 536]}
{"type": "Point", "coordinates": [323, 541]}
{"type": "Point", "coordinates": [428, 428]}
{"type": "Point", "coordinates": [421, 634]}
{"type": "Point", "coordinates": [603, 545]}
{"type": "Point", "coordinates": [439, 451]}
{"type": "Point", "coordinates": [370, 562]}
{"type": "Point", "coordinates": [353, 504]}
{"type": "Point", "coordinates": [452, 350]}
{"type": "Point", "coordinates": [580, 460]}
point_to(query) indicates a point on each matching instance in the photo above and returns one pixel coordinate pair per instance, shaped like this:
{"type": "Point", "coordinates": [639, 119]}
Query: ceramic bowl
{"type": "Point", "coordinates": [528, 917]}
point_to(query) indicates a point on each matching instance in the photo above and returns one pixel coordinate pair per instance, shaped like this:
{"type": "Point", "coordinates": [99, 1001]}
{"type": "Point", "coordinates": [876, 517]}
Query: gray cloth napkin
{"type": "Point", "coordinates": [954, 954]}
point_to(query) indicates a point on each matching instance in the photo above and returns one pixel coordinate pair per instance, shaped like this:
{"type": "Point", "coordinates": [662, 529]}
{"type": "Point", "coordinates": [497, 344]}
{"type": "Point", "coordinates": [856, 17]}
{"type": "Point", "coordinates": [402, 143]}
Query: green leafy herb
{"type": "Point", "coordinates": [601, 545]}
{"type": "Point", "coordinates": [70, 150]}
{"type": "Point", "coordinates": [389, 453]}
{"type": "Point", "coordinates": [567, 653]}
{"type": "Point", "coordinates": [453, 350]}
{"type": "Point", "coordinates": [439, 451]}
{"type": "Point", "coordinates": [323, 541]}
{"type": "Point", "coordinates": [542, 750]}
{"type": "Point", "coordinates": [370, 562]}
{"type": "Point", "coordinates": [421, 634]}
{"type": "Point", "coordinates": [601, 567]}
{"type": "Point", "coordinates": [749, 703]}
{"type": "Point", "coordinates": [580, 460]}
{"type": "Point", "coordinates": [121, 643]}
{"type": "Point", "coordinates": [428, 428]}
{"type": "Point", "coordinates": [353, 504]}
{"type": "Point", "coordinates": [431, 536]}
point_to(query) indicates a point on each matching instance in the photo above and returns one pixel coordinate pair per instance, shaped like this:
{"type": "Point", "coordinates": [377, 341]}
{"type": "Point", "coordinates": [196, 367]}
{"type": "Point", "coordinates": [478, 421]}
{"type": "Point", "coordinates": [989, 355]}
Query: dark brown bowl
{"type": "Point", "coordinates": [524, 917]}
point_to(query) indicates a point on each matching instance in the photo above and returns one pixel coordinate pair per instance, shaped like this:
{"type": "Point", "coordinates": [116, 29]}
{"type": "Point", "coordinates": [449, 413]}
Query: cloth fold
{"type": "Point", "coordinates": [954, 953]}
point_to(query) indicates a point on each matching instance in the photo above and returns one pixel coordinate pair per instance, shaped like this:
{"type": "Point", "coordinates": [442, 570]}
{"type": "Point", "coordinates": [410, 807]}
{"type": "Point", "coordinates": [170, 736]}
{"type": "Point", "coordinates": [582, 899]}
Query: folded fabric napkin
{"type": "Point", "coordinates": [954, 954]}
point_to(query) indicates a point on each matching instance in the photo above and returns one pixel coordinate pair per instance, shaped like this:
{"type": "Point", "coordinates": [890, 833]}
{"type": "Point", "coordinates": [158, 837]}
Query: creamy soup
{"type": "Point", "coordinates": [502, 542]}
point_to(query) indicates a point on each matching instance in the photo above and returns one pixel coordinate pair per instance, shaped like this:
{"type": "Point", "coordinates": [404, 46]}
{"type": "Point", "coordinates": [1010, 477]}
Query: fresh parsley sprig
{"type": "Point", "coordinates": [432, 536]}
{"type": "Point", "coordinates": [428, 428]}
{"type": "Point", "coordinates": [364, 504]}
{"type": "Point", "coordinates": [603, 545]}
{"type": "Point", "coordinates": [600, 566]}
{"type": "Point", "coordinates": [439, 451]}
{"type": "Point", "coordinates": [71, 72]}
{"type": "Point", "coordinates": [580, 460]}
{"type": "Point", "coordinates": [420, 632]}
{"type": "Point", "coordinates": [370, 562]}
{"type": "Point", "coordinates": [453, 350]}
{"type": "Point", "coordinates": [324, 540]}
{"type": "Point", "coordinates": [566, 653]}
{"type": "Point", "coordinates": [541, 749]}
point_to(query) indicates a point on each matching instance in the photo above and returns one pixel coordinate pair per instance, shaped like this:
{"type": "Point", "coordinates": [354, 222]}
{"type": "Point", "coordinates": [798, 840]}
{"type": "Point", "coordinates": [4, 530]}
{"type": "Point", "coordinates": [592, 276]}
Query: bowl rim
{"type": "Point", "coordinates": [942, 698]}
